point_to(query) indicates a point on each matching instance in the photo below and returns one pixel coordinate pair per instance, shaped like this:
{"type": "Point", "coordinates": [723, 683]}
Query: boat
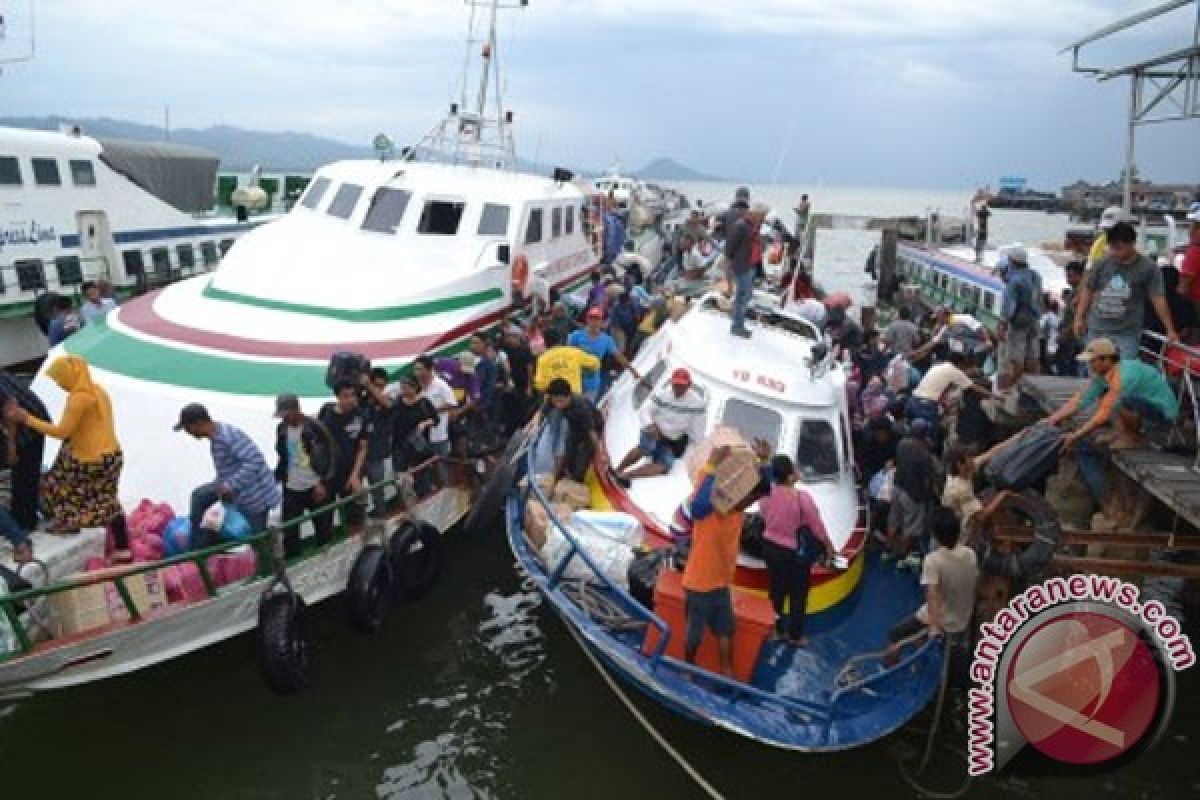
{"type": "Point", "coordinates": [785, 386]}
{"type": "Point", "coordinates": [389, 259]}
{"type": "Point", "coordinates": [78, 208]}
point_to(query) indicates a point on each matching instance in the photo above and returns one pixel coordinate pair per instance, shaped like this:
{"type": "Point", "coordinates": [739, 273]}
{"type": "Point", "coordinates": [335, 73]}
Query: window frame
{"type": "Point", "coordinates": [224, 246]}
{"type": "Point", "coordinates": [374, 226]}
{"type": "Point", "coordinates": [537, 214]}
{"type": "Point", "coordinates": [569, 221]}
{"type": "Point", "coordinates": [22, 265]}
{"type": "Point", "coordinates": [190, 249]}
{"type": "Point", "coordinates": [800, 464]}
{"type": "Point", "coordinates": [556, 222]}
{"type": "Point", "coordinates": [760, 409]}
{"type": "Point", "coordinates": [461, 204]}
{"type": "Point", "coordinates": [338, 208]}
{"type": "Point", "coordinates": [317, 190]}
{"type": "Point", "coordinates": [44, 160]}
{"type": "Point", "coordinates": [134, 262]}
{"type": "Point", "coordinates": [207, 248]}
{"type": "Point", "coordinates": [90, 167]}
{"type": "Point", "coordinates": [74, 265]}
{"type": "Point", "coordinates": [16, 165]}
{"type": "Point", "coordinates": [483, 217]}
{"type": "Point", "coordinates": [155, 267]}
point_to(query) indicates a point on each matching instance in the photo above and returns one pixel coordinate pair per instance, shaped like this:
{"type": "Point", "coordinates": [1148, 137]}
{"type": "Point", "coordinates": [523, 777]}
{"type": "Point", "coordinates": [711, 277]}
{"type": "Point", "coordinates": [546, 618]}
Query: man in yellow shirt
{"type": "Point", "coordinates": [564, 362]}
{"type": "Point", "coordinates": [1111, 216]}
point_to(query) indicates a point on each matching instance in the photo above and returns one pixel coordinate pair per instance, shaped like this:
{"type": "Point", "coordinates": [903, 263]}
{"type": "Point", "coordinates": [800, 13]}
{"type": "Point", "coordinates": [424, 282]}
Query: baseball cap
{"type": "Point", "coordinates": [681, 377]}
{"type": "Point", "coordinates": [191, 414]}
{"type": "Point", "coordinates": [1113, 215]}
{"type": "Point", "coordinates": [595, 313]}
{"type": "Point", "coordinates": [285, 403]}
{"type": "Point", "coordinates": [1018, 255]}
{"type": "Point", "coordinates": [1098, 348]}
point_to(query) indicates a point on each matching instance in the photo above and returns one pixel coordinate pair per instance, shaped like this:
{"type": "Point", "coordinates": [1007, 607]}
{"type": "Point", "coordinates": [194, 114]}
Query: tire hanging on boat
{"type": "Point", "coordinates": [285, 643]}
{"type": "Point", "coordinates": [1047, 533]}
{"type": "Point", "coordinates": [415, 553]}
{"type": "Point", "coordinates": [490, 501]}
{"type": "Point", "coordinates": [369, 589]}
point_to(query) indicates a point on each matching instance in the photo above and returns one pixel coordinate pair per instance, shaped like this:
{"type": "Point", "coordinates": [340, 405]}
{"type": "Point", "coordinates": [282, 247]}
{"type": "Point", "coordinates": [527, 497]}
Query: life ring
{"type": "Point", "coordinates": [520, 276]}
{"type": "Point", "coordinates": [43, 310]}
{"type": "Point", "coordinates": [285, 643]}
{"type": "Point", "coordinates": [415, 553]}
{"type": "Point", "coordinates": [1047, 533]}
{"type": "Point", "coordinates": [369, 589]}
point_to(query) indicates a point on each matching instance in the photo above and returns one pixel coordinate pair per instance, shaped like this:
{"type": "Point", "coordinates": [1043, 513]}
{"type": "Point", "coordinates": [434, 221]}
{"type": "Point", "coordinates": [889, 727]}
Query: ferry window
{"type": "Point", "coordinates": [187, 256]}
{"type": "Point", "coordinates": [30, 274]}
{"type": "Point", "coordinates": [225, 245]}
{"type": "Point", "coordinates": [10, 171]}
{"type": "Point", "coordinates": [989, 301]}
{"type": "Point", "coordinates": [160, 260]}
{"type": "Point", "coordinates": [45, 172]}
{"type": "Point", "coordinates": [387, 207]}
{"type": "Point", "coordinates": [208, 252]}
{"type": "Point", "coordinates": [344, 201]}
{"type": "Point", "coordinates": [816, 457]}
{"type": "Point", "coordinates": [83, 172]}
{"type": "Point", "coordinates": [134, 263]}
{"type": "Point", "coordinates": [643, 389]}
{"type": "Point", "coordinates": [533, 231]}
{"type": "Point", "coordinates": [569, 224]}
{"type": "Point", "coordinates": [70, 273]}
{"type": "Point", "coordinates": [555, 223]}
{"type": "Point", "coordinates": [494, 220]}
{"type": "Point", "coordinates": [441, 218]}
{"type": "Point", "coordinates": [315, 192]}
{"type": "Point", "coordinates": [752, 421]}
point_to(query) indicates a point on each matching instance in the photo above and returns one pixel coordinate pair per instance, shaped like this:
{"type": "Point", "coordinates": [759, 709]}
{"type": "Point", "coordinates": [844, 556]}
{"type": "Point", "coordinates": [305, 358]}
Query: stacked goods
{"type": "Point", "coordinates": [736, 476]}
{"type": "Point", "coordinates": [100, 604]}
{"type": "Point", "coordinates": [537, 521]}
{"type": "Point", "coordinates": [572, 493]}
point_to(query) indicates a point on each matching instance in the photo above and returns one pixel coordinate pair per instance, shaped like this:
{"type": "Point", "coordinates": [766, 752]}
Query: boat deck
{"type": "Point", "coordinates": [1169, 477]}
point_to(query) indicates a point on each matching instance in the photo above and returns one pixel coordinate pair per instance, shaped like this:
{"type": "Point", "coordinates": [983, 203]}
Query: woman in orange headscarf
{"type": "Point", "coordinates": [80, 490]}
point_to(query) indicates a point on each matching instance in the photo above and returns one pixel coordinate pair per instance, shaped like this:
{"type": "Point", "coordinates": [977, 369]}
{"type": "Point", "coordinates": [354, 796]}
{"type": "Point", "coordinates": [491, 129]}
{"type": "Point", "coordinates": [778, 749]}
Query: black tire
{"type": "Point", "coordinates": [490, 500]}
{"type": "Point", "coordinates": [43, 310]}
{"type": "Point", "coordinates": [369, 590]}
{"type": "Point", "coordinates": [285, 649]}
{"type": "Point", "coordinates": [415, 553]}
{"type": "Point", "coordinates": [1047, 533]}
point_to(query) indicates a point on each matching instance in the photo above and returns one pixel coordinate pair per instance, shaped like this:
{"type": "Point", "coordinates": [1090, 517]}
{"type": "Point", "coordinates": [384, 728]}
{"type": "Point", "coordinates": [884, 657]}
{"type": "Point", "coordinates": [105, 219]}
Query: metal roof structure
{"type": "Point", "coordinates": [1165, 88]}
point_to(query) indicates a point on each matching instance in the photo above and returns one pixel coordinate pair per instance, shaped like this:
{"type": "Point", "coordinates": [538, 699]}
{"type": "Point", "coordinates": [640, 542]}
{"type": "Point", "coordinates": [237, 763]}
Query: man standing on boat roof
{"type": "Point", "coordinates": [1113, 296]}
{"type": "Point", "coordinates": [671, 420]}
{"type": "Point", "coordinates": [614, 233]}
{"type": "Point", "coordinates": [740, 249]}
{"type": "Point", "coordinates": [1020, 312]}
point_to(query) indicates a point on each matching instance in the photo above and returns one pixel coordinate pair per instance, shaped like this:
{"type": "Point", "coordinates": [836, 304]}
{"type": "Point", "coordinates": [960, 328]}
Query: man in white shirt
{"type": "Point", "coordinates": [671, 418]}
{"type": "Point", "coordinates": [94, 305]}
{"type": "Point", "coordinates": [439, 393]}
{"type": "Point", "coordinates": [935, 389]}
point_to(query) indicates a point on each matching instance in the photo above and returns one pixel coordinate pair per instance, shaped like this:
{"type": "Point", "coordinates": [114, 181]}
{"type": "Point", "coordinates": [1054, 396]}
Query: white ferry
{"type": "Point", "coordinates": [74, 208]}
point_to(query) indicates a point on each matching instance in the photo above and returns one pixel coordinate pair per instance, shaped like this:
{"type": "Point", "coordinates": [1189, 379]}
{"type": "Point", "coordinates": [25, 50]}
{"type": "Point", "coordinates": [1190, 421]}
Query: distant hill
{"type": "Point", "coordinates": [238, 149]}
{"type": "Point", "coordinates": [667, 169]}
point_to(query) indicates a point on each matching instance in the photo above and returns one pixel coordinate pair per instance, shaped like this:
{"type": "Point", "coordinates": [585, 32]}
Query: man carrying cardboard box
{"type": "Point", "coordinates": [716, 510]}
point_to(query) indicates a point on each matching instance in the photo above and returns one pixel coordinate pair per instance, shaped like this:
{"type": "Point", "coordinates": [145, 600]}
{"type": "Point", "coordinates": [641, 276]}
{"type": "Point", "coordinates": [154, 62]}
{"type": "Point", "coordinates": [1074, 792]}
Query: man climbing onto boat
{"type": "Point", "coordinates": [673, 418]}
{"type": "Point", "coordinates": [1020, 313]}
{"type": "Point", "coordinates": [572, 437]}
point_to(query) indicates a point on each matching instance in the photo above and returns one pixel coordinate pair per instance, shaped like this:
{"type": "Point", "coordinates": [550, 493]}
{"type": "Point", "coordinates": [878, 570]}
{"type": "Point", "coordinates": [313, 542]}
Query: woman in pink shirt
{"type": "Point", "coordinates": [793, 540]}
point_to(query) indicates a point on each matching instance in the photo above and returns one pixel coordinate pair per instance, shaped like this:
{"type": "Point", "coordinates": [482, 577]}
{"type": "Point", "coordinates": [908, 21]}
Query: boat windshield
{"type": "Point", "coordinates": [817, 453]}
{"type": "Point", "coordinates": [753, 421]}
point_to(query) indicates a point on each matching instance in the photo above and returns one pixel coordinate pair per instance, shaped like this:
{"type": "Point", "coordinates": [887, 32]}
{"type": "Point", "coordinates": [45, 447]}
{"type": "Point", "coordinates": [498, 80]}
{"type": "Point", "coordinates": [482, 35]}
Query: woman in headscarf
{"type": "Point", "coordinates": [80, 491]}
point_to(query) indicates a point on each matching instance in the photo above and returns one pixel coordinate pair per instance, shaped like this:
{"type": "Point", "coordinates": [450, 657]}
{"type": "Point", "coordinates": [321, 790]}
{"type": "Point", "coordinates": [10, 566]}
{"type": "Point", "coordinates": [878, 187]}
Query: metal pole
{"type": "Point", "coordinates": [1135, 83]}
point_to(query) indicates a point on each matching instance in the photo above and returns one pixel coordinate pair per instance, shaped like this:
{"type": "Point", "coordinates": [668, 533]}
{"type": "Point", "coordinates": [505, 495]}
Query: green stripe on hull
{"type": "Point", "coordinates": [387, 314]}
{"type": "Point", "coordinates": [153, 362]}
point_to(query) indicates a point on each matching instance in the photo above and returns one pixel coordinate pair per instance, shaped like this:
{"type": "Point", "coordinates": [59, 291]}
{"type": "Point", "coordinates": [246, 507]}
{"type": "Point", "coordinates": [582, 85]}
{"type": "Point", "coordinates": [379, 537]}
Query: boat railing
{"type": "Point", "coordinates": [34, 276]}
{"type": "Point", "coordinates": [1180, 365]}
{"type": "Point", "coordinates": [270, 559]}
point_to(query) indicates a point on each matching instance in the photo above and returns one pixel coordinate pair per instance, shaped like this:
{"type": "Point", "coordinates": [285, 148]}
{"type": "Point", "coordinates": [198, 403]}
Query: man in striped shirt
{"type": "Point", "coordinates": [672, 418]}
{"type": "Point", "coordinates": [243, 477]}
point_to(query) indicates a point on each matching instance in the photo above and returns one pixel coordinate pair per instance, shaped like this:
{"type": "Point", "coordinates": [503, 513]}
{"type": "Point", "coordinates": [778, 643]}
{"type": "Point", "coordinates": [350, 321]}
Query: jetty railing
{"type": "Point", "coordinates": [1180, 365]}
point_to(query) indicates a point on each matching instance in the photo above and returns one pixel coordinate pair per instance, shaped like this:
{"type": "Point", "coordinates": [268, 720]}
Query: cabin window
{"type": "Point", "coordinates": [10, 171]}
{"type": "Point", "coordinates": [31, 275]}
{"type": "Point", "coordinates": [494, 220]}
{"type": "Point", "coordinates": [644, 388]}
{"type": "Point", "coordinates": [70, 273]}
{"type": "Point", "coordinates": [316, 191]}
{"type": "Point", "coordinates": [160, 260]}
{"type": "Point", "coordinates": [844, 431]}
{"type": "Point", "coordinates": [225, 245]}
{"type": "Point", "coordinates": [45, 172]}
{"type": "Point", "coordinates": [208, 253]}
{"type": "Point", "coordinates": [569, 222]}
{"type": "Point", "coordinates": [187, 256]}
{"type": "Point", "coordinates": [816, 456]}
{"type": "Point", "coordinates": [134, 263]}
{"type": "Point", "coordinates": [83, 172]}
{"type": "Point", "coordinates": [344, 201]}
{"type": "Point", "coordinates": [386, 210]}
{"type": "Point", "coordinates": [533, 230]}
{"type": "Point", "coordinates": [441, 217]}
{"type": "Point", "coordinates": [753, 421]}
{"type": "Point", "coordinates": [989, 301]}
{"type": "Point", "coordinates": [555, 223]}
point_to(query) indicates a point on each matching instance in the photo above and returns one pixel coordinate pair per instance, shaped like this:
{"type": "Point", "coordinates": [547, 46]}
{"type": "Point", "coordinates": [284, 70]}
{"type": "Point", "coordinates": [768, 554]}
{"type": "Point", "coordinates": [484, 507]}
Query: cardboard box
{"type": "Point", "coordinates": [573, 493]}
{"type": "Point", "coordinates": [736, 477]}
{"type": "Point", "coordinates": [537, 521]}
{"type": "Point", "coordinates": [100, 604]}
{"type": "Point", "coordinates": [697, 456]}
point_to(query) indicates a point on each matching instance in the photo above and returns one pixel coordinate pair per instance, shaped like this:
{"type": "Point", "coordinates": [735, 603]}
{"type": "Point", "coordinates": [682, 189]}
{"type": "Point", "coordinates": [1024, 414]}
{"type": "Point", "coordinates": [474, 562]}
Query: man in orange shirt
{"type": "Point", "coordinates": [708, 576]}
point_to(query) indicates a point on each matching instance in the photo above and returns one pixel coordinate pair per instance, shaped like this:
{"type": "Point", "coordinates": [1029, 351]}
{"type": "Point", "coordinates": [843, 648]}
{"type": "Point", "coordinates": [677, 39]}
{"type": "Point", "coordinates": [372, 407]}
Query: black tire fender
{"type": "Point", "coordinates": [1047, 533]}
{"type": "Point", "coordinates": [285, 649]}
{"type": "Point", "coordinates": [369, 589]}
{"type": "Point", "coordinates": [415, 553]}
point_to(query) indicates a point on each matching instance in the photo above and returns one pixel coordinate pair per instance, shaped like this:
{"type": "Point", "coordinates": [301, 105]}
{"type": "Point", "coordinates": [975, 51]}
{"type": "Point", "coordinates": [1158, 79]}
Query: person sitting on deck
{"type": "Point", "coordinates": [572, 435]}
{"type": "Point", "coordinates": [1136, 391]}
{"type": "Point", "coordinates": [673, 417]}
{"type": "Point", "coordinates": [243, 477]}
{"type": "Point", "coordinates": [949, 575]}
{"type": "Point", "coordinates": [711, 565]}
{"type": "Point", "coordinates": [305, 451]}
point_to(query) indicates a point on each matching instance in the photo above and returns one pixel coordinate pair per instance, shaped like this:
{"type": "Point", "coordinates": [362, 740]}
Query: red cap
{"type": "Point", "coordinates": [595, 313]}
{"type": "Point", "coordinates": [681, 377]}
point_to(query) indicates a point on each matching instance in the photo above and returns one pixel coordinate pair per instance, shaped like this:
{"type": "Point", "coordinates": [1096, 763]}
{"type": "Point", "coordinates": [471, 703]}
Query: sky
{"type": "Point", "coordinates": [920, 93]}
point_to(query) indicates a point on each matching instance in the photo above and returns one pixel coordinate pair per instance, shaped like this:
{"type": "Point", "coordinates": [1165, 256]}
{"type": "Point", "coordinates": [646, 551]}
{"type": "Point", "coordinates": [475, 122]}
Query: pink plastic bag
{"type": "Point", "coordinates": [149, 519]}
{"type": "Point", "coordinates": [147, 548]}
{"type": "Point", "coordinates": [236, 565]}
{"type": "Point", "coordinates": [184, 584]}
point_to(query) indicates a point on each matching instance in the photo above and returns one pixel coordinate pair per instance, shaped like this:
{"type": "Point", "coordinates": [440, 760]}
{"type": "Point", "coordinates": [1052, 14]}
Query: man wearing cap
{"type": "Point", "coordinates": [243, 477]}
{"type": "Point", "coordinates": [1189, 285]}
{"type": "Point", "coordinates": [571, 438]}
{"type": "Point", "coordinates": [1113, 296]}
{"type": "Point", "coordinates": [1111, 216]}
{"type": "Point", "coordinates": [673, 417]}
{"type": "Point", "coordinates": [1020, 312]}
{"type": "Point", "coordinates": [594, 340]}
{"type": "Point", "coordinates": [1136, 391]}
{"type": "Point", "coordinates": [305, 451]}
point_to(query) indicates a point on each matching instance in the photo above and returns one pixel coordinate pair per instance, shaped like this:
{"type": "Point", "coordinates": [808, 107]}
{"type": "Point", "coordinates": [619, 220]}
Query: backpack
{"type": "Point", "coordinates": [1025, 315]}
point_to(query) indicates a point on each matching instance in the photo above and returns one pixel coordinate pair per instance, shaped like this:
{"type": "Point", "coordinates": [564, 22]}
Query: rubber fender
{"type": "Point", "coordinates": [415, 553]}
{"type": "Point", "coordinates": [285, 649]}
{"type": "Point", "coordinates": [369, 589]}
{"type": "Point", "coordinates": [1047, 533]}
